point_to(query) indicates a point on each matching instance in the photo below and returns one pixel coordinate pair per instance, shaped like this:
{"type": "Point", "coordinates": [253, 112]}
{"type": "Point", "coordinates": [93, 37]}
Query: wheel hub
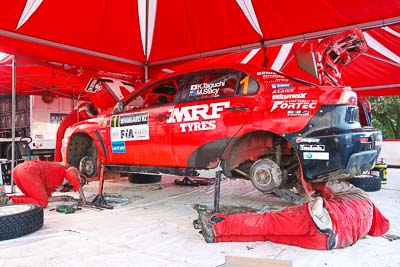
{"type": "Point", "coordinates": [87, 166]}
{"type": "Point", "coordinates": [266, 175]}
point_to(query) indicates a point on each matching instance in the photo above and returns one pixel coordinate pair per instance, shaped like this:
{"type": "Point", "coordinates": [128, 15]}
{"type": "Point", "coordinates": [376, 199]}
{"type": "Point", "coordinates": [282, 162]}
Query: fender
{"type": "Point", "coordinates": [94, 128]}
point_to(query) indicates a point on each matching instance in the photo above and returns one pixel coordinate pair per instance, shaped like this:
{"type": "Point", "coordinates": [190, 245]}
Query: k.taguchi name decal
{"type": "Point", "coordinates": [198, 117]}
{"type": "Point", "coordinates": [206, 88]}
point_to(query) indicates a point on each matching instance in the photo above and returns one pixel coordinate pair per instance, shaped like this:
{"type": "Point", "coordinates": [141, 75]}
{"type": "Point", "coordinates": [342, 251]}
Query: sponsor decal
{"type": "Point", "coordinates": [269, 75]}
{"type": "Point", "coordinates": [93, 86]}
{"type": "Point", "coordinates": [283, 91]}
{"type": "Point", "coordinates": [118, 147]}
{"type": "Point", "coordinates": [281, 85]}
{"type": "Point", "coordinates": [307, 140]}
{"type": "Point", "coordinates": [56, 118]}
{"type": "Point", "coordinates": [289, 96]}
{"type": "Point", "coordinates": [298, 104]}
{"type": "Point", "coordinates": [128, 127]}
{"type": "Point", "coordinates": [118, 88]}
{"type": "Point", "coordinates": [316, 155]}
{"type": "Point", "coordinates": [206, 88]}
{"type": "Point", "coordinates": [312, 147]}
{"type": "Point", "coordinates": [198, 117]}
{"type": "Point", "coordinates": [298, 113]}
{"type": "Point", "coordinates": [39, 136]}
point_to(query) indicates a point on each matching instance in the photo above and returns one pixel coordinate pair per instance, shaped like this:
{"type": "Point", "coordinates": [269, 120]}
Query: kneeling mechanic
{"type": "Point", "coordinates": [37, 180]}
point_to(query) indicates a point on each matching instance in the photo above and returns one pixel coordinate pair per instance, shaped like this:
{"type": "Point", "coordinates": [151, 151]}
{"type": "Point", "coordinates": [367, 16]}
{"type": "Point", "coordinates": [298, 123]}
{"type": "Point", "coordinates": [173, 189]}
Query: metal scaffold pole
{"type": "Point", "coordinates": [13, 105]}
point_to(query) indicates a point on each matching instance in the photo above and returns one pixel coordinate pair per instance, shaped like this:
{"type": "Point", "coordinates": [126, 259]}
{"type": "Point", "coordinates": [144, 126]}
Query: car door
{"type": "Point", "coordinates": [140, 135]}
{"type": "Point", "coordinates": [210, 109]}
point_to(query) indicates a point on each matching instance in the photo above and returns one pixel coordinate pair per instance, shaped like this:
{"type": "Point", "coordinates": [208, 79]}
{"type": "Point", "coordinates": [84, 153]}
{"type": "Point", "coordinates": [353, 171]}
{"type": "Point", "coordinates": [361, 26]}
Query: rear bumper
{"type": "Point", "coordinates": [336, 151]}
{"type": "Point", "coordinates": [344, 156]}
{"type": "Point", "coordinates": [358, 163]}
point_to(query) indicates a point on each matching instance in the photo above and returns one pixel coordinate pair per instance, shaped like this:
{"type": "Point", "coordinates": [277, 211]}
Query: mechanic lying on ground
{"type": "Point", "coordinates": [337, 218]}
{"type": "Point", "coordinates": [37, 180]}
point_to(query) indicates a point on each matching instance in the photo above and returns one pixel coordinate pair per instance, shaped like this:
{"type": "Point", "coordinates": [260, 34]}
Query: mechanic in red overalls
{"type": "Point", "coordinates": [37, 180]}
{"type": "Point", "coordinates": [337, 218]}
{"type": "Point", "coordinates": [82, 112]}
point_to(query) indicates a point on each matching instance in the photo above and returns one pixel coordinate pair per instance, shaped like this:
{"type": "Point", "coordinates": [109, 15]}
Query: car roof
{"type": "Point", "coordinates": [189, 68]}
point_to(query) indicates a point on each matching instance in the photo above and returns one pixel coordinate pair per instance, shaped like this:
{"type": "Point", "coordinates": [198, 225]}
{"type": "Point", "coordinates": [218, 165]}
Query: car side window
{"type": "Point", "coordinates": [247, 85]}
{"type": "Point", "coordinates": [155, 95]}
{"type": "Point", "coordinates": [161, 94]}
{"type": "Point", "coordinates": [136, 102]}
{"type": "Point", "coordinates": [214, 84]}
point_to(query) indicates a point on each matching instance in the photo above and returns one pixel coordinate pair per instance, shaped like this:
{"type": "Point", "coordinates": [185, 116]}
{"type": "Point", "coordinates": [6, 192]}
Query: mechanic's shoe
{"type": "Point", "coordinates": [3, 199]}
{"type": "Point", "coordinates": [320, 214]}
{"type": "Point", "coordinates": [206, 224]}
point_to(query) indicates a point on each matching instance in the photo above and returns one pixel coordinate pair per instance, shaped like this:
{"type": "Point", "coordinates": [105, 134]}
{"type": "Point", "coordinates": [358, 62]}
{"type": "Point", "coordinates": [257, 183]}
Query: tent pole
{"type": "Point", "coordinates": [13, 104]}
{"type": "Point", "coordinates": [73, 98]}
{"type": "Point", "coordinates": [146, 72]}
{"type": "Point", "coordinates": [146, 56]}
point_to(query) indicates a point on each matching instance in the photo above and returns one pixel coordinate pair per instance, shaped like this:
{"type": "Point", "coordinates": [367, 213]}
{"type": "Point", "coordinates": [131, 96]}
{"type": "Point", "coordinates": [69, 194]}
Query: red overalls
{"type": "Point", "coordinates": [352, 213]}
{"type": "Point", "coordinates": [38, 179]}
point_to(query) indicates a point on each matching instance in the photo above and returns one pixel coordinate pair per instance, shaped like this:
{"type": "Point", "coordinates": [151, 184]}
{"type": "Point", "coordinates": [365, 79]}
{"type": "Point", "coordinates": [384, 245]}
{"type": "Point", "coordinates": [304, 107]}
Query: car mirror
{"type": "Point", "coordinates": [118, 108]}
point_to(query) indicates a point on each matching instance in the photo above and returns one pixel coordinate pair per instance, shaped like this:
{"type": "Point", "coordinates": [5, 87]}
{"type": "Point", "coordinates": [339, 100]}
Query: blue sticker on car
{"type": "Point", "coordinates": [118, 147]}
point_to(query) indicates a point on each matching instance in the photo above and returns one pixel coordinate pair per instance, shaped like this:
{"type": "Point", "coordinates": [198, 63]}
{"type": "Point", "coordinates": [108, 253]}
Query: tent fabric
{"type": "Point", "coordinates": [120, 38]}
{"type": "Point", "coordinates": [35, 79]}
{"type": "Point", "coordinates": [374, 73]}
{"type": "Point", "coordinates": [132, 34]}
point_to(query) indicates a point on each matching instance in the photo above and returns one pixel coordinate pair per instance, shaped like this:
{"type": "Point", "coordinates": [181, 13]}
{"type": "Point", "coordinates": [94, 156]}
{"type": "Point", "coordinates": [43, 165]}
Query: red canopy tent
{"type": "Point", "coordinates": [132, 40]}
{"type": "Point", "coordinates": [374, 73]}
{"type": "Point", "coordinates": [35, 79]}
{"type": "Point", "coordinates": [125, 36]}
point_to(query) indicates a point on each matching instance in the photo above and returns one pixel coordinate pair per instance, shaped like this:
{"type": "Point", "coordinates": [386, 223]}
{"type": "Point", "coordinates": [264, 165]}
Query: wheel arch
{"type": "Point", "coordinates": [254, 145]}
{"type": "Point", "coordinates": [78, 143]}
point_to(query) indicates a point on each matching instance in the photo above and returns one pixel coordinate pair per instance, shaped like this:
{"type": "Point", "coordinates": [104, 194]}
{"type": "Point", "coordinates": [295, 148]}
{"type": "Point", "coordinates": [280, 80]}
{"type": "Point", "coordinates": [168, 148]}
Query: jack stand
{"type": "Point", "coordinates": [217, 193]}
{"type": "Point", "coordinates": [99, 200]}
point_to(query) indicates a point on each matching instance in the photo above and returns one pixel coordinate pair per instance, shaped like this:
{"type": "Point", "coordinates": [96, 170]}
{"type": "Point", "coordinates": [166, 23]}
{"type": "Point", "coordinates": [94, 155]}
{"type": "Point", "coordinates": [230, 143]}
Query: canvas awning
{"type": "Point", "coordinates": [127, 36]}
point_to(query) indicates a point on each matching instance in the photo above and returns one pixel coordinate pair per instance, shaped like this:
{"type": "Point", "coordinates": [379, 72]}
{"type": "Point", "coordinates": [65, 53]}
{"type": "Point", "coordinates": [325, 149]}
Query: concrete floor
{"type": "Point", "coordinates": [155, 229]}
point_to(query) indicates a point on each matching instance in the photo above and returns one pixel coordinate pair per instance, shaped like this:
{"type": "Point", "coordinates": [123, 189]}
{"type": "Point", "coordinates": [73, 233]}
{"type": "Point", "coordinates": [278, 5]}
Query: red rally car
{"type": "Point", "coordinates": [246, 121]}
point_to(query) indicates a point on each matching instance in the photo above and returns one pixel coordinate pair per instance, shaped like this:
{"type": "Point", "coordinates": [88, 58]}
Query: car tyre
{"type": "Point", "coordinates": [367, 183]}
{"type": "Point", "coordinates": [19, 220]}
{"type": "Point", "coordinates": [137, 178]}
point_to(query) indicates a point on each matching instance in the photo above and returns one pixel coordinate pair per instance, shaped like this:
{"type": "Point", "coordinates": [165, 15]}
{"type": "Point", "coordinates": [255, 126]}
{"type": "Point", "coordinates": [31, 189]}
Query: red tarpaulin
{"type": "Point", "coordinates": [374, 73]}
{"type": "Point", "coordinates": [125, 35]}
{"type": "Point", "coordinates": [34, 79]}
